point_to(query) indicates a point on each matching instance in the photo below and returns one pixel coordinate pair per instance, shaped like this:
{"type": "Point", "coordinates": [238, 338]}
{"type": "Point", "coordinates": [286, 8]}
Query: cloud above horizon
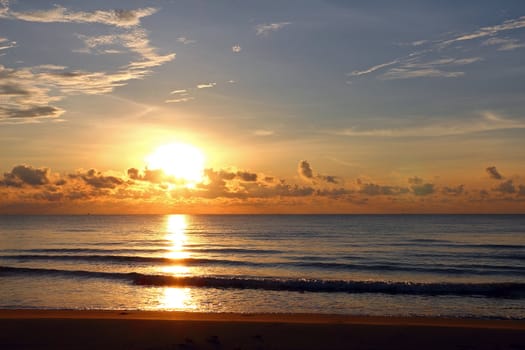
{"type": "Point", "coordinates": [26, 184]}
{"type": "Point", "coordinates": [494, 173]}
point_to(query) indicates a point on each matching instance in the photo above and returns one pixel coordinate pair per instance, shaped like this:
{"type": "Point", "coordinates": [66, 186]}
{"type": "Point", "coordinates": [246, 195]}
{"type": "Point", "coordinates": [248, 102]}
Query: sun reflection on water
{"type": "Point", "coordinates": [177, 298]}
{"type": "Point", "coordinates": [176, 226]}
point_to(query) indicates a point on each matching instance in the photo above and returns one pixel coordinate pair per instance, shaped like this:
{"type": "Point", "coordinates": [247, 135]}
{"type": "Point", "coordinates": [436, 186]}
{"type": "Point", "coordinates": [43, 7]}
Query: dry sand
{"type": "Point", "coordinates": [52, 329]}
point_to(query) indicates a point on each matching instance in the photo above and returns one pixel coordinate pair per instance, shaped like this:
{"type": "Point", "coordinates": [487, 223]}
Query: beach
{"type": "Point", "coordinates": [65, 329]}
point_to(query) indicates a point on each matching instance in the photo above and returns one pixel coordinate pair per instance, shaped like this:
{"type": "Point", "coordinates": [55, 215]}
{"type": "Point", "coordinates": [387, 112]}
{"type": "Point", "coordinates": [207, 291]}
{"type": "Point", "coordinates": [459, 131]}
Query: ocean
{"type": "Point", "coordinates": [392, 265]}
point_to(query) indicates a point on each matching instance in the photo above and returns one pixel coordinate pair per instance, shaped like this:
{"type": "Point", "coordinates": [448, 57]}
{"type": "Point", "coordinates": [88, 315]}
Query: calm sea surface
{"type": "Point", "coordinates": [434, 265]}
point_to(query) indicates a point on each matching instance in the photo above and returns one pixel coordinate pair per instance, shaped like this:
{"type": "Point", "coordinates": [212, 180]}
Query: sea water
{"type": "Point", "coordinates": [426, 265]}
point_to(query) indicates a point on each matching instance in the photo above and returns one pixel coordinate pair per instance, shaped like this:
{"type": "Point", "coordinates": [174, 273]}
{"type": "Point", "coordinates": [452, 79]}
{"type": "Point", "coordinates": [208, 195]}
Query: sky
{"type": "Point", "coordinates": [295, 106]}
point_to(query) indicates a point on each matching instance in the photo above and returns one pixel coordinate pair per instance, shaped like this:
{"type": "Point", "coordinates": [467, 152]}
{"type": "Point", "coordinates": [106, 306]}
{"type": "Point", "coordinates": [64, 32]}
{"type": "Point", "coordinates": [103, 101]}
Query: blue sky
{"type": "Point", "coordinates": [374, 90]}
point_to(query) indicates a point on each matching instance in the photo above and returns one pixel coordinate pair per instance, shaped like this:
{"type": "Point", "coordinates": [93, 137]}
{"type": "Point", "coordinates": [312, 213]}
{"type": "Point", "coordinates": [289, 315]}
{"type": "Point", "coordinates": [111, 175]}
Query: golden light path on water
{"type": "Point", "coordinates": [176, 297]}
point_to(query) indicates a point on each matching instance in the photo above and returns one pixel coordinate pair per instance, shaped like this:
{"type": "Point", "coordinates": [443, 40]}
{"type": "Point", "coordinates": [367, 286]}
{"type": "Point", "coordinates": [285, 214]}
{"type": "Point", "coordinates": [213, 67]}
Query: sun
{"type": "Point", "coordinates": [182, 161]}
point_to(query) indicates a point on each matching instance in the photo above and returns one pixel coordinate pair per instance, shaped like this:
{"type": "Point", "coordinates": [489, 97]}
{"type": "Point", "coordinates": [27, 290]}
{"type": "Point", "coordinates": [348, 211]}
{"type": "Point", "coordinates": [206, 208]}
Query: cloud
{"type": "Point", "coordinates": [263, 132]}
{"type": "Point", "coordinates": [50, 67]}
{"type": "Point", "coordinates": [305, 170]}
{"type": "Point", "coordinates": [29, 94]}
{"type": "Point", "coordinates": [487, 122]}
{"type": "Point", "coordinates": [181, 95]}
{"type": "Point", "coordinates": [494, 173]}
{"type": "Point", "coordinates": [32, 113]}
{"type": "Point", "coordinates": [373, 68]}
{"type": "Point", "coordinates": [179, 100]}
{"type": "Point", "coordinates": [423, 189]}
{"type": "Point", "coordinates": [25, 175]}
{"type": "Point", "coordinates": [329, 178]}
{"type": "Point", "coordinates": [185, 41]}
{"type": "Point", "coordinates": [48, 196]}
{"type": "Point", "coordinates": [247, 176]}
{"type": "Point", "coordinates": [137, 41]}
{"type": "Point", "coordinates": [504, 44]}
{"type": "Point", "coordinates": [59, 14]}
{"type": "Point", "coordinates": [4, 7]}
{"type": "Point", "coordinates": [154, 176]}
{"type": "Point", "coordinates": [429, 69]}
{"type": "Point", "coordinates": [96, 179]}
{"type": "Point", "coordinates": [206, 85]}
{"type": "Point", "coordinates": [266, 29]}
{"type": "Point", "coordinates": [507, 25]}
{"type": "Point", "coordinates": [133, 173]}
{"type": "Point", "coordinates": [236, 48]}
{"type": "Point", "coordinates": [423, 64]}
{"type": "Point", "coordinates": [454, 191]}
{"type": "Point", "coordinates": [506, 187]}
{"type": "Point", "coordinates": [419, 66]}
{"type": "Point", "coordinates": [404, 73]}
{"type": "Point", "coordinates": [6, 44]}
{"type": "Point", "coordinates": [142, 191]}
{"type": "Point", "coordinates": [21, 97]}
{"type": "Point", "coordinates": [224, 184]}
{"type": "Point", "coordinates": [372, 189]}
{"type": "Point", "coordinates": [415, 180]}
{"type": "Point", "coordinates": [419, 42]}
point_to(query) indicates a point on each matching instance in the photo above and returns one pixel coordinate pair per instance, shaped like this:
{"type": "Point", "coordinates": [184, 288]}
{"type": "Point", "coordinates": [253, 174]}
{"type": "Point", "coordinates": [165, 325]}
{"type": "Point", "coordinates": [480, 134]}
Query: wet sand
{"type": "Point", "coordinates": [57, 329]}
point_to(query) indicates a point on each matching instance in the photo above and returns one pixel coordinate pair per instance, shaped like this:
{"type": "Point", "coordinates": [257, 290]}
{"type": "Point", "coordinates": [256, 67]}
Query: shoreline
{"type": "Point", "coordinates": [300, 318]}
{"type": "Point", "coordinates": [120, 329]}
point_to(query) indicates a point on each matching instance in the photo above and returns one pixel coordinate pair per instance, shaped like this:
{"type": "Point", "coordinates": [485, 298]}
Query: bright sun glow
{"type": "Point", "coordinates": [180, 160]}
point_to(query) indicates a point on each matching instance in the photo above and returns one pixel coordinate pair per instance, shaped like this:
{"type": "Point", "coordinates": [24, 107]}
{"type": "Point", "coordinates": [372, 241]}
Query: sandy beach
{"type": "Point", "coordinates": [57, 329]}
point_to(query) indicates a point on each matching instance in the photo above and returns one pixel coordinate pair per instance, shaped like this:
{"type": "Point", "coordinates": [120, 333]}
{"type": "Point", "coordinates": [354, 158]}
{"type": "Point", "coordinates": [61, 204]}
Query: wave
{"type": "Point", "coordinates": [82, 250]}
{"type": "Point", "coordinates": [129, 259]}
{"type": "Point", "coordinates": [138, 250]}
{"type": "Point", "coordinates": [444, 244]}
{"type": "Point", "coordinates": [79, 230]}
{"type": "Point", "coordinates": [489, 290]}
{"type": "Point", "coordinates": [455, 269]}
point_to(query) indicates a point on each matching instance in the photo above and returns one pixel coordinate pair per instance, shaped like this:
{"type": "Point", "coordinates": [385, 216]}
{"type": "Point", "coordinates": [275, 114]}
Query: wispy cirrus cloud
{"type": "Point", "coordinates": [504, 44]}
{"type": "Point", "coordinates": [423, 63]}
{"type": "Point", "coordinates": [180, 99]}
{"type": "Point", "coordinates": [266, 29]}
{"type": "Point", "coordinates": [206, 85]}
{"type": "Point", "coordinates": [135, 41]}
{"type": "Point", "coordinates": [487, 122]}
{"type": "Point", "coordinates": [185, 41]}
{"type": "Point", "coordinates": [373, 68]}
{"type": "Point", "coordinates": [430, 69]}
{"type": "Point", "coordinates": [264, 132]}
{"type": "Point", "coordinates": [119, 18]}
{"type": "Point", "coordinates": [179, 95]}
{"type": "Point", "coordinates": [488, 31]}
{"type": "Point", "coordinates": [6, 44]}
